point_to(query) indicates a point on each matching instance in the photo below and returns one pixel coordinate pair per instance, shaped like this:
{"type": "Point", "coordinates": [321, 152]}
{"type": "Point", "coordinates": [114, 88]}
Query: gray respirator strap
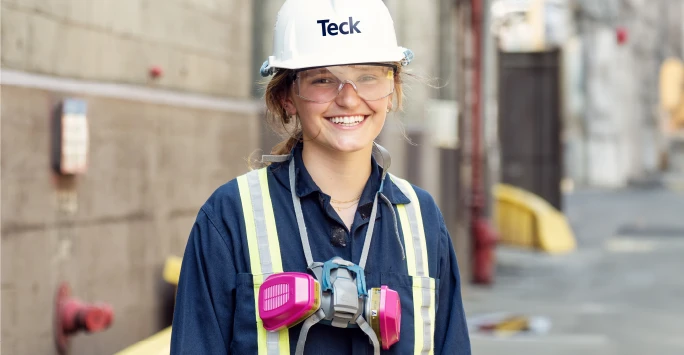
{"type": "Point", "coordinates": [371, 226]}
{"type": "Point", "coordinates": [274, 158]}
{"type": "Point", "coordinates": [302, 225]}
{"type": "Point", "coordinates": [371, 334]}
{"type": "Point", "coordinates": [316, 267]}
{"type": "Point", "coordinates": [308, 323]}
{"type": "Point", "coordinates": [300, 215]}
{"type": "Point", "coordinates": [382, 155]}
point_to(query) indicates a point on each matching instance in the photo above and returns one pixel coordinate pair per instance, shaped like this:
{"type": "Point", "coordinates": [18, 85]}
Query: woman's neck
{"type": "Point", "coordinates": [340, 175]}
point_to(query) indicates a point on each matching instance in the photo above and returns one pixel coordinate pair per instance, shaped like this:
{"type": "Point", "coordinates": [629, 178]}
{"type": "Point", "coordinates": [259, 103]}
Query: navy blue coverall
{"type": "Point", "coordinates": [214, 312]}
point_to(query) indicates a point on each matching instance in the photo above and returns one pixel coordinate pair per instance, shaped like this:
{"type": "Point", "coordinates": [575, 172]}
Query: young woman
{"type": "Point", "coordinates": [323, 251]}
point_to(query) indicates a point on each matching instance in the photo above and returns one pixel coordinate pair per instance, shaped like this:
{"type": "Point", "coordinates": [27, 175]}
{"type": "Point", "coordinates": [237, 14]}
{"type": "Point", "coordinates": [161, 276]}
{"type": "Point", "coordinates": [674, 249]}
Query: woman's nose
{"type": "Point", "coordinates": [348, 96]}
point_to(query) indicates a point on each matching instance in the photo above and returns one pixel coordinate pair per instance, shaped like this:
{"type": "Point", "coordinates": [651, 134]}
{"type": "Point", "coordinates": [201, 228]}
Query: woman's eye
{"type": "Point", "coordinates": [323, 81]}
{"type": "Point", "coordinates": [367, 78]}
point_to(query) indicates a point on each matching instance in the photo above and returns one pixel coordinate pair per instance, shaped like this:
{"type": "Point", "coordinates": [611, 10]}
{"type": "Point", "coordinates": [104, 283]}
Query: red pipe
{"type": "Point", "coordinates": [484, 236]}
{"type": "Point", "coordinates": [73, 315]}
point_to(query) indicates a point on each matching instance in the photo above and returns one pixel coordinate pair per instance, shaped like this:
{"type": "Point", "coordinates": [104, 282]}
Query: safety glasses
{"type": "Point", "coordinates": [321, 85]}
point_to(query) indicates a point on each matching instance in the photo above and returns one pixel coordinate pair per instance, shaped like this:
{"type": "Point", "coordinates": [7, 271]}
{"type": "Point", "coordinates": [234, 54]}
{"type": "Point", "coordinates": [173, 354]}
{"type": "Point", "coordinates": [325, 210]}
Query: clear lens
{"type": "Point", "coordinates": [371, 82]}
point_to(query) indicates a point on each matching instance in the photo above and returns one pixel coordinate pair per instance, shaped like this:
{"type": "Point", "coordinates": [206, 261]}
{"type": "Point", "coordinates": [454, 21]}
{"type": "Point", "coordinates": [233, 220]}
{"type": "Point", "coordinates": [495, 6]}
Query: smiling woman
{"type": "Point", "coordinates": [323, 251]}
{"type": "Point", "coordinates": [321, 85]}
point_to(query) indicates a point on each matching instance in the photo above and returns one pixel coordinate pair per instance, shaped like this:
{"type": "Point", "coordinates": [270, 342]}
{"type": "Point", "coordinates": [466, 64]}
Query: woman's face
{"type": "Point", "coordinates": [348, 123]}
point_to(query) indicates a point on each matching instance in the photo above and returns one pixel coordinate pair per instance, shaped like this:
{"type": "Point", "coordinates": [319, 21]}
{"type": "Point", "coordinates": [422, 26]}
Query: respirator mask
{"type": "Point", "coordinates": [336, 295]}
{"type": "Point", "coordinates": [286, 299]}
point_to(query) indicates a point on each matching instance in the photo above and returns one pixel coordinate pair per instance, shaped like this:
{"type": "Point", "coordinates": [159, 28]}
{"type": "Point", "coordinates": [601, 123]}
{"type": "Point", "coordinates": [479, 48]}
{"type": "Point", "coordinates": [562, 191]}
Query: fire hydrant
{"type": "Point", "coordinates": [484, 251]}
{"type": "Point", "coordinates": [73, 315]}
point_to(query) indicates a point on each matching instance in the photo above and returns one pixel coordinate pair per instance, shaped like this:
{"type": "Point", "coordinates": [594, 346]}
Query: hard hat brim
{"type": "Point", "coordinates": [397, 55]}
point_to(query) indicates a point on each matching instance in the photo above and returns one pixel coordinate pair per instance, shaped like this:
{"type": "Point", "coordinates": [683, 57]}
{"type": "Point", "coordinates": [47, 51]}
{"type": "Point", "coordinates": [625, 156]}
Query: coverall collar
{"type": "Point", "coordinates": [306, 186]}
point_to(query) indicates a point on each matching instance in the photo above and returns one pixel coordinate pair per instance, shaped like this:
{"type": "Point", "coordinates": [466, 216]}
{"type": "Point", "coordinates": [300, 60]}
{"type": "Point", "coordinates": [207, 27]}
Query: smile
{"type": "Point", "coordinates": [347, 121]}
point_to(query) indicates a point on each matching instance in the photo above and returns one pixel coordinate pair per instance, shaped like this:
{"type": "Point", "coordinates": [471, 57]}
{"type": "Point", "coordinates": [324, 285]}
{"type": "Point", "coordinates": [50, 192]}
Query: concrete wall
{"type": "Point", "coordinates": [152, 164]}
{"type": "Point", "coordinates": [151, 167]}
{"type": "Point", "coordinates": [202, 44]}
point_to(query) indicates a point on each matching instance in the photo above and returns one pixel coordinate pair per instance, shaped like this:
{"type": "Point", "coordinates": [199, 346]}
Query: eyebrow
{"type": "Point", "coordinates": [369, 67]}
{"type": "Point", "coordinates": [319, 71]}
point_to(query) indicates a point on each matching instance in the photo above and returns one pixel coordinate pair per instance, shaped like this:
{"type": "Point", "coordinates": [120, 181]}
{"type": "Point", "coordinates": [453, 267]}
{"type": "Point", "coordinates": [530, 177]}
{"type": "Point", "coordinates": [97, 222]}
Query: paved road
{"type": "Point", "coordinates": [621, 292]}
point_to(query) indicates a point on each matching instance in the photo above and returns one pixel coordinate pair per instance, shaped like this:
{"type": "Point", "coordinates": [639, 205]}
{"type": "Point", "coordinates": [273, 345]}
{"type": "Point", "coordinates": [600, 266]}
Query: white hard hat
{"type": "Point", "coordinates": [314, 33]}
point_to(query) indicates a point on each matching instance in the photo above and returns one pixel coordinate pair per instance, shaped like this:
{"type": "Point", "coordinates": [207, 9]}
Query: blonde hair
{"type": "Point", "coordinates": [278, 89]}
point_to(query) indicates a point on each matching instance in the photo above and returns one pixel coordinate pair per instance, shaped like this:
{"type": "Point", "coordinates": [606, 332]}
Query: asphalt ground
{"type": "Point", "coordinates": [621, 292]}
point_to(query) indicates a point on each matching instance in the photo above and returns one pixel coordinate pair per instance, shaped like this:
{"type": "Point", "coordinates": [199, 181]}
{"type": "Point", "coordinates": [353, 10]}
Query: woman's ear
{"type": "Point", "coordinates": [288, 105]}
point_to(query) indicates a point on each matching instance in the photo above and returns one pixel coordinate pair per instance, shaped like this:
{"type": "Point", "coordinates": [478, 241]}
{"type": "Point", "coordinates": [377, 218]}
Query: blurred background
{"type": "Point", "coordinates": [550, 132]}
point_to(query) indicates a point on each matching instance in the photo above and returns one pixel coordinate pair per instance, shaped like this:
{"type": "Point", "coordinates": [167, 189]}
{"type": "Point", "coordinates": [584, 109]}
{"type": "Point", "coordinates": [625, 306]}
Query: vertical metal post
{"type": "Point", "coordinates": [477, 196]}
{"type": "Point", "coordinates": [484, 238]}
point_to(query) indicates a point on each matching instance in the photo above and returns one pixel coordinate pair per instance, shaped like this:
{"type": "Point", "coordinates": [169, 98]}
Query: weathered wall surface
{"type": "Point", "coordinates": [203, 45]}
{"type": "Point", "coordinates": [151, 165]}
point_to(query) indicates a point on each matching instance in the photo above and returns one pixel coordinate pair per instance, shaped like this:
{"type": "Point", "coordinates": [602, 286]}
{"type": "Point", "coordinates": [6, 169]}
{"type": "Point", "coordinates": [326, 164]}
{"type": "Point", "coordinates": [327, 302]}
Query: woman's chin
{"type": "Point", "coordinates": [351, 146]}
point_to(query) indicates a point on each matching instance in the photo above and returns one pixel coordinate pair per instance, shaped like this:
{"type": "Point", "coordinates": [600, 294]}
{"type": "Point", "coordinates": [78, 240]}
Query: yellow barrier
{"type": "Point", "coordinates": [526, 220]}
{"type": "Point", "coordinates": [172, 270]}
{"type": "Point", "coordinates": [159, 343]}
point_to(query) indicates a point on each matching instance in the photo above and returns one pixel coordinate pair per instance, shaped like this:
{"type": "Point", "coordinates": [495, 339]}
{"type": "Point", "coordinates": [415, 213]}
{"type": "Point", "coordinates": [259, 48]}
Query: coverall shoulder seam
{"type": "Point", "coordinates": [209, 213]}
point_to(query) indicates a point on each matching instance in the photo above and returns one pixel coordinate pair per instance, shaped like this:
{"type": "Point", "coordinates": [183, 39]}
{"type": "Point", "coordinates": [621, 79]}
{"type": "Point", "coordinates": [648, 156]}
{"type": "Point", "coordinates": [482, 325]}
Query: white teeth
{"type": "Point", "coordinates": [347, 120]}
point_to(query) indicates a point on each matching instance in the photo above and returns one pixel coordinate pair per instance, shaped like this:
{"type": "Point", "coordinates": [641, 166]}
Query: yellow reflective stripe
{"type": "Point", "coordinates": [420, 308]}
{"type": "Point", "coordinates": [273, 244]}
{"type": "Point", "coordinates": [250, 228]}
{"type": "Point", "coordinates": [255, 260]}
{"type": "Point", "coordinates": [262, 333]}
{"type": "Point", "coordinates": [407, 188]}
{"type": "Point", "coordinates": [408, 240]}
{"type": "Point", "coordinates": [424, 287]}
{"type": "Point", "coordinates": [417, 318]}
{"type": "Point", "coordinates": [284, 341]}
{"type": "Point", "coordinates": [433, 291]}
{"type": "Point", "coordinates": [274, 248]}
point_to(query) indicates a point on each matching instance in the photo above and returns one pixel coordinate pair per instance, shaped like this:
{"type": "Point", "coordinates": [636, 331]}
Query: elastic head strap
{"type": "Point", "coordinates": [300, 216]}
{"type": "Point", "coordinates": [308, 323]}
{"type": "Point", "coordinates": [369, 232]}
{"type": "Point", "coordinates": [302, 225]}
{"type": "Point", "coordinates": [274, 158]}
{"type": "Point", "coordinates": [386, 159]}
{"type": "Point", "coordinates": [371, 334]}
